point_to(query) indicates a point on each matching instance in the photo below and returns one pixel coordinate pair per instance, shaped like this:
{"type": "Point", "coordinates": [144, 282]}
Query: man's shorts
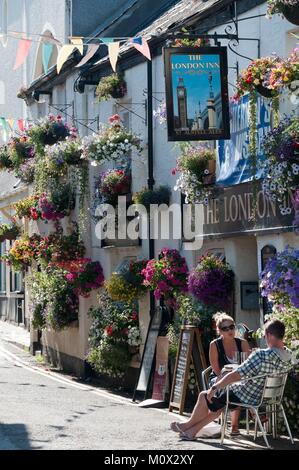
{"type": "Point", "coordinates": [219, 400]}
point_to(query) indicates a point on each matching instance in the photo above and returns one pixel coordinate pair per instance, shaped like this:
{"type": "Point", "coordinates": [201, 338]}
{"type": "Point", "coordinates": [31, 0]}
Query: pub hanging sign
{"type": "Point", "coordinates": [196, 93]}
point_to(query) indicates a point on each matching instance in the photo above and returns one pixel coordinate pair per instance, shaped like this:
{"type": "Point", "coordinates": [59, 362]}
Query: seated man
{"type": "Point", "coordinates": [276, 359]}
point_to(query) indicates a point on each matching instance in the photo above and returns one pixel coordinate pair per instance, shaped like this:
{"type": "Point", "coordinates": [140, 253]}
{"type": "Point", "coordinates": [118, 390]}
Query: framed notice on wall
{"type": "Point", "coordinates": [196, 93]}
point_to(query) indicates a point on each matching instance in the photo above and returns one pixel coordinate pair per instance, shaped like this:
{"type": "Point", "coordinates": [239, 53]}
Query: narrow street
{"type": "Point", "coordinates": [41, 410]}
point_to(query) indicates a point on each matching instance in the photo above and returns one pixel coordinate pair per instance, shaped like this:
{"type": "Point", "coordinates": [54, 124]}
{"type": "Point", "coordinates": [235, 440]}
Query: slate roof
{"type": "Point", "coordinates": [175, 16]}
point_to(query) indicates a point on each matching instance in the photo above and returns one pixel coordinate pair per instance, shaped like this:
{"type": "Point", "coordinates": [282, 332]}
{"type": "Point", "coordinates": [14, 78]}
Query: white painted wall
{"type": "Point", "coordinates": [241, 252]}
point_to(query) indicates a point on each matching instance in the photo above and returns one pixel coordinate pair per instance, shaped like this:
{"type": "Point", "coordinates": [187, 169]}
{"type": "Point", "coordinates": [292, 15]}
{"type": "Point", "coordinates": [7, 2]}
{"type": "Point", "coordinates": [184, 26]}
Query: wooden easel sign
{"type": "Point", "coordinates": [190, 346]}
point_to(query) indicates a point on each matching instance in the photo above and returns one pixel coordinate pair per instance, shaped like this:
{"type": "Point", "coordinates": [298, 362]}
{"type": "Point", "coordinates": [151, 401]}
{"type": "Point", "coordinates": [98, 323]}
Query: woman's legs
{"type": "Point", "coordinates": [235, 416]}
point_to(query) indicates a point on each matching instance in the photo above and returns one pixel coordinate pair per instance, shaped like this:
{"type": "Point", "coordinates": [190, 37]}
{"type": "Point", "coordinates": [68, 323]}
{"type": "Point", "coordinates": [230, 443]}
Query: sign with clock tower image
{"type": "Point", "coordinates": [196, 93]}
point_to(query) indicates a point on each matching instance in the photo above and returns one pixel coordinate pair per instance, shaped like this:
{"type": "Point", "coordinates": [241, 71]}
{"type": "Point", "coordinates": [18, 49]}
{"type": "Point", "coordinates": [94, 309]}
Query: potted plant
{"type": "Point", "coordinates": [112, 86]}
{"type": "Point", "coordinates": [197, 165]}
{"type": "Point", "coordinates": [166, 276]}
{"type": "Point", "coordinates": [113, 183]}
{"type": "Point", "coordinates": [212, 282]}
{"type": "Point", "coordinates": [281, 164]}
{"type": "Point", "coordinates": [112, 143]}
{"type": "Point", "coordinates": [9, 232]}
{"type": "Point", "coordinates": [50, 130]}
{"type": "Point", "coordinates": [146, 197]}
{"type": "Point", "coordinates": [288, 8]}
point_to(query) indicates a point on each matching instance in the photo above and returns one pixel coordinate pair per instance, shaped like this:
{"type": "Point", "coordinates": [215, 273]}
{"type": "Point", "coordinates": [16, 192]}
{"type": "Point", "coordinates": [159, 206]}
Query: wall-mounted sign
{"type": "Point", "coordinates": [196, 93]}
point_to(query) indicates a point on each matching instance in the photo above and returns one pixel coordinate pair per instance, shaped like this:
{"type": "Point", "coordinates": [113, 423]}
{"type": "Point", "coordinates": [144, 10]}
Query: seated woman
{"type": "Point", "coordinates": [222, 352]}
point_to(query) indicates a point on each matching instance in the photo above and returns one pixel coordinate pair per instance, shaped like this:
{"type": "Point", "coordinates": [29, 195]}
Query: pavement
{"type": "Point", "coordinates": [47, 410]}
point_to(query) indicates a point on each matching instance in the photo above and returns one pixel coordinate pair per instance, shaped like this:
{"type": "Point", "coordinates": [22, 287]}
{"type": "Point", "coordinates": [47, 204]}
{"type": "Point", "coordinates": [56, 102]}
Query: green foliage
{"type": "Point", "coordinates": [108, 358]}
{"type": "Point", "coordinates": [146, 197]}
{"type": "Point", "coordinates": [54, 303]}
{"type": "Point", "coordinates": [5, 161]}
{"type": "Point", "coordinates": [112, 86]}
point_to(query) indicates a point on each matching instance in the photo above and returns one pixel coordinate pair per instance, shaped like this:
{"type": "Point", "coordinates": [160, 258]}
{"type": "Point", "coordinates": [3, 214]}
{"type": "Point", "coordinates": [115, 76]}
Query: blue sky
{"type": "Point", "coordinates": [195, 80]}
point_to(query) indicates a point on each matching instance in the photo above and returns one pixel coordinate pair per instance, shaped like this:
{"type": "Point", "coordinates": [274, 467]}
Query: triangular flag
{"type": "Point", "coordinates": [137, 40]}
{"type": "Point", "coordinates": [47, 49]}
{"type": "Point", "coordinates": [113, 49]}
{"type": "Point", "coordinates": [78, 42]}
{"type": "Point", "coordinates": [21, 125]}
{"type": "Point", "coordinates": [4, 128]}
{"type": "Point", "coordinates": [22, 53]}
{"type": "Point", "coordinates": [107, 40]}
{"type": "Point", "coordinates": [142, 46]}
{"type": "Point", "coordinates": [11, 123]}
{"type": "Point", "coordinates": [66, 51]}
{"type": "Point", "coordinates": [92, 49]}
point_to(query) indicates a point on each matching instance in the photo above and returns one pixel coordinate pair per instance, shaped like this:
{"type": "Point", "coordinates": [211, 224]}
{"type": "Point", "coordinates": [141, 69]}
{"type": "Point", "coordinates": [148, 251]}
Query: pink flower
{"type": "Point", "coordinates": [114, 118]}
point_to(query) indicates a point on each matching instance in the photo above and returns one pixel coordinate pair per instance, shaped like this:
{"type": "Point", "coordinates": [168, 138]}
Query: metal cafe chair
{"type": "Point", "coordinates": [205, 384]}
{"type": "Point", "coordinates": [271, 399]}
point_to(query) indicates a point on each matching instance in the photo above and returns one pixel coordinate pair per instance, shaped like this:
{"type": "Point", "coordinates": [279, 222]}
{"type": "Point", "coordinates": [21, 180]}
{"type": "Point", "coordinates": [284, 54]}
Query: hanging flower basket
{"type": "Point", "coordinates": [291, 13]}
{"type": "Point", "coordinates": [147, 197]}
{"type": "Point", "coordinates": [281, 164]}
{"type": "Point", "coordinates": [197, 168]}
{"type": "Point", "coordinates": [112, 86]}
{"type": "Point", "coordinates": [166, 276]}
{"type": "Point", "coordinates": [288, 8]}
{"type": "Point", "coordinates": [265, 92]}
{"type": "Point", "coordinates": [111, 184]}
{"type": "Point", "coordinates": [211, 177]}
{"type": "Point", "coordinates": [9, 232]}
{"type": "Point", "coordinates": [50, 130]}
{"type": "Point", "coordinates": [211, 282]}
{"type": "Point", "coordinates": [113, 142]}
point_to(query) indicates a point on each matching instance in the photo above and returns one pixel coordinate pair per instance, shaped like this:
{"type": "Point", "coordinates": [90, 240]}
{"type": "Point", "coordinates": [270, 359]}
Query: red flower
{"type": "Point", "coordinates": [109, 330]}
{"type": "Point", "coordinates": [125, 331]}
{"type": "Point", "coordinates": [214, 326]}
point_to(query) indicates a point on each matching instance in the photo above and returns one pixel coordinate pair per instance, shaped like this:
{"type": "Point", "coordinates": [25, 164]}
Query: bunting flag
{"type": "Point", "coordinates": [142, 46]}
{"type": "Point", "coordinates": [66, 51]}
{"type": "Point", "coordinates": [22, 53]}
{"type": "Point", "coordinates": [21, 125]}
{"type": "Point", "coordinates": [92, 49]}
{"type": "Point", "coordinates": [4, 129]}
{"type": "Point", "coordinates": [47, 50]}
{"type": "Point", "coordinates": [11, 123]}
{"type": "Point", "coordinates": [113, 49]}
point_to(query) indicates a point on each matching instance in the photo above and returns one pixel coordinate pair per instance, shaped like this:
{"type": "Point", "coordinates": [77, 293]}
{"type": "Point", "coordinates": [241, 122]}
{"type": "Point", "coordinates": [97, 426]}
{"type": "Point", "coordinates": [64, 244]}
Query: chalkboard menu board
{"type": "Point", "coordinates": [149, 352]}
{"type": "Point", "coordinates": [190, 348]}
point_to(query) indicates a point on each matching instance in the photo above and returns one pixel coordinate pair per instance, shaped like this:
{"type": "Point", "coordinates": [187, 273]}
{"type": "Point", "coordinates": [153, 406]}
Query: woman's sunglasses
{"type": "Point", "coordinates": [227, 328]}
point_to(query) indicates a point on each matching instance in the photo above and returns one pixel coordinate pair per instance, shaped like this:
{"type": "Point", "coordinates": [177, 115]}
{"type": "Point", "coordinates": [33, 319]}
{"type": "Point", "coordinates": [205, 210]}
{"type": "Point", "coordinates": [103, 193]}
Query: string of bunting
{"type": "Point", "coordinates": [65, 50]}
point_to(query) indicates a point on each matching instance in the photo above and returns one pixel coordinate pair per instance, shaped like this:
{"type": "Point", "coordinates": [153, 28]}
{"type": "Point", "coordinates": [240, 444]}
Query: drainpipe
{"type": "Point", "coordinates": [150, 181]}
